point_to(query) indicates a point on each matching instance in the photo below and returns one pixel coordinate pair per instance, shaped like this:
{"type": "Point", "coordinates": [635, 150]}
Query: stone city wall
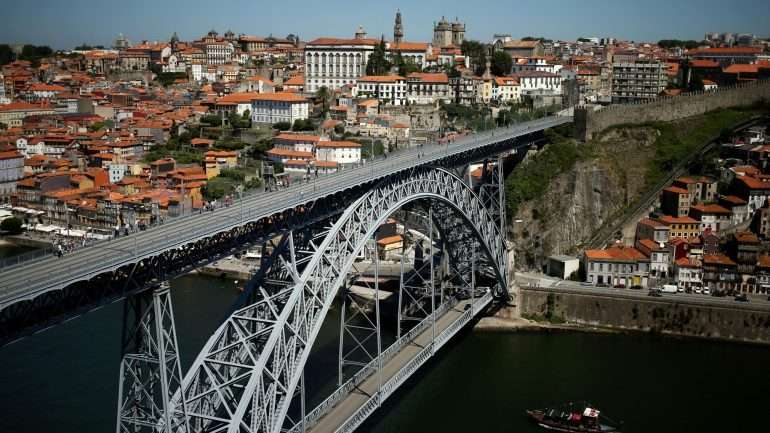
{"type": "Point", "coordinates": [589, 122]}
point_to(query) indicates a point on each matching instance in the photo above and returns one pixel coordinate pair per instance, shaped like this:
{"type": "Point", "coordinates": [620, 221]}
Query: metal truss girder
{"type": "Point", "coordinates": [294, 317]}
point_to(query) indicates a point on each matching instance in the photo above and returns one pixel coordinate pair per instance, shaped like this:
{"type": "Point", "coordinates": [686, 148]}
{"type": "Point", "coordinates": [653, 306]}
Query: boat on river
{"type": "Point", "coordinates": [574, 417]}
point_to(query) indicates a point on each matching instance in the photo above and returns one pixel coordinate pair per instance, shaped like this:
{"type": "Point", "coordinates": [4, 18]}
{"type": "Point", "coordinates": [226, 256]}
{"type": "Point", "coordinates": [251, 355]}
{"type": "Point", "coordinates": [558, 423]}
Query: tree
{"type": "Point", "coordinates": [12, 225]}
{"type": "Point", "coordinates": [672, 43]}
{"type": "Point", "coordinates": [378, 63]}
{"type": "Point", "coordinates": [6, 54]}
{"type": "Point", "coordinates": [477, 52]}
{"type": "Point", "coordinates": [324, 95]}
{"type": "Point", "coordinates": [501, 63]}
{"type": "Point", "coordinates": [405, 66]}
{"type": "Point", "coordinates": [303, 125]}
{"type": "Point", "coordinates": [282, 126]}
{"type": "Point", "coordinates": [696, 83]}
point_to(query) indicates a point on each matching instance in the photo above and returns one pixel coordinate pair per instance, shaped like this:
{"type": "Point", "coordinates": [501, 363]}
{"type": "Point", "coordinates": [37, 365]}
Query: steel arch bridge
{"type": "Point", "coordinates": [248, 373]}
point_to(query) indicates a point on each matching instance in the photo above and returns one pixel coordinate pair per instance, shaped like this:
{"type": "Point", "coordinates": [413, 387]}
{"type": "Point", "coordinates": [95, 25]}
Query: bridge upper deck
{"type": "Point", "coordinates": [34, 278]}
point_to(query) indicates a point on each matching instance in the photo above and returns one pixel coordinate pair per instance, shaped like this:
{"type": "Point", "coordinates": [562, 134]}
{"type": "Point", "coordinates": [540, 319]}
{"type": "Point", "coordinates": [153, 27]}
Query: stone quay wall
{"type": "Point", "coordinates": [745, 323]}
{"type": "Point", "coordinates": [589, 122]}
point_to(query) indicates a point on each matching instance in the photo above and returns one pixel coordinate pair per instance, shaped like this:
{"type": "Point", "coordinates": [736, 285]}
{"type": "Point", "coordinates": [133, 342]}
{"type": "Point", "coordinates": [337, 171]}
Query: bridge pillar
{"type": "Point", "coordinates": [357, 326]}
{"type": "Point", "coordinates": [150, 371]}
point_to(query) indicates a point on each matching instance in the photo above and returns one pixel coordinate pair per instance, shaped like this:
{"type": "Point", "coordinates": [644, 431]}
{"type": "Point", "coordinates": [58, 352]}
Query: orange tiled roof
{"type": "Point", "coordinates": [676, 190]}
{"type": "Point", "coordinates": [668, 220]}
{"type": "Point", "coordinates": [616, 253]}
{"type": "Point", "coordinates": [297, 80]}
{"type": "Point", "coordinates": [238, 98]}
{"type": "Point", "coordinates": [338, 144]}
{"type": "Point", "coordinates": [381, 78]}
{"type": "Point", "coordinates": [727, 50]}
{"type": "Point", "coordinates": [710, 208]}
{"type": "Point", "coordinates": [390, 240]}
{"type": "Point", "coordinates": [432, 78]}
{"type": "Point", "coordinates": [763, 261]}
{"type": "Point", "coordinates": [279, 96]}
{"type": "Point", "coordinates": [718, 259]}
{"type": "Point", "coordinates": [409, 46]}
{"type": "Point", "coordinates": [652, 223]}
{"type": "Point", "coordinates": [651, 245]}
{"type": "Point", "coordinates": [733, 200]}
{"type": "Point", "coordinates": [298, 137]}
{"type": "Point", "coordinates": [339, 41]}
{"type": "Point", "coordinates": [746, 237]}
{"type": "Point", "coordinates": [685, 262]}
{"type": "Point", "coordinates": [753, 183]}
{"type": "Point", "coordinates": [738, 68]}
{"type": "Point", "coordinates": [293, 154]}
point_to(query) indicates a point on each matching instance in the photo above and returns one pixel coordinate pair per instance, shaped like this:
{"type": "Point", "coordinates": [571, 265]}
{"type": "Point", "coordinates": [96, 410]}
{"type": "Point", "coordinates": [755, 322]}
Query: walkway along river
{"type": "Point", "coordinates": [65, 379]}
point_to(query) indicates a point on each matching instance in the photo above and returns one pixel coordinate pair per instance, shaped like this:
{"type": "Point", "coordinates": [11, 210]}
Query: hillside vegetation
{"type": "Point", "coordinates": [569, 190]}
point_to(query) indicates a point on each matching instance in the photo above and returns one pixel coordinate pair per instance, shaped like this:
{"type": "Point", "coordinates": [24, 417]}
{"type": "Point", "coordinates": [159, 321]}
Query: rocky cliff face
{"type": "Point", "coordinates": [578, 202]}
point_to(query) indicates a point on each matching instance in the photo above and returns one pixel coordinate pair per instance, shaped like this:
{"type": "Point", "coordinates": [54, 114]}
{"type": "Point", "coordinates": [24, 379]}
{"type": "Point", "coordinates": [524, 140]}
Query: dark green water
{"type": "Point", "coordinates": [11, 250]}
{"type": "Point", "coordinates": [65, 379]}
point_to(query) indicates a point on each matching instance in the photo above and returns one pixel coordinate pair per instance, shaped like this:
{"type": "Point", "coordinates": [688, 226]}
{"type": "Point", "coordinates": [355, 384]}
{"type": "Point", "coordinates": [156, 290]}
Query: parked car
{"type": "Point", "coordinates": [586, 284]}
{"type": "Point", "coordinates": [680, 289]}
{"type": "Point", "coordinates": [741, 297]}
{"type": "Point", "coordinates": [706, 291]}
{"type": "Point", "coordinates": [698, 290]}
{"type": "Point", "coordinates": [669, 288]}
{"type": "Point", "coordinates": [620, 286]}
{"type": "Point", "coordinates": [636, 287]}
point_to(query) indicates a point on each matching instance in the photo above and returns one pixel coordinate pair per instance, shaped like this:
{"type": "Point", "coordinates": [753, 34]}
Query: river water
{"type": "Point", "coordinates": [65, 379]}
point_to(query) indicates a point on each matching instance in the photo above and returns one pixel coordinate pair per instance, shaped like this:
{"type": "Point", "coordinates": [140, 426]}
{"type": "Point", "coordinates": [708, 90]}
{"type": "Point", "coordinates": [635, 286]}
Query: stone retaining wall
{"type": "Point", "coordinates": [656, 315]}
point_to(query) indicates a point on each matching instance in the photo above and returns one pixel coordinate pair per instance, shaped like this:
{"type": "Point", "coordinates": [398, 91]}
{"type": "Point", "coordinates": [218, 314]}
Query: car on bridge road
{"type": "Point", "coordinates": [741, 297]}
{"type": "Point", "coordinates": [655, 292]}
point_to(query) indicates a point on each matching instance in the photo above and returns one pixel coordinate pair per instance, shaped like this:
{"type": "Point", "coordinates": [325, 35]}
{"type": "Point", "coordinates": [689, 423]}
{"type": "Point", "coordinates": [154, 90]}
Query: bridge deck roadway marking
{"type": "Point", "coordinates": [334, 419]}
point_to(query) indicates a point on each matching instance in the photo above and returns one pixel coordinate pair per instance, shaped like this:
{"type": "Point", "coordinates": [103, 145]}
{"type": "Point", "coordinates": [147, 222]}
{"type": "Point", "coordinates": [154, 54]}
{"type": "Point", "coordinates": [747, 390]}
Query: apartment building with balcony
{"type": "Point", "coordinates": [638, 81]}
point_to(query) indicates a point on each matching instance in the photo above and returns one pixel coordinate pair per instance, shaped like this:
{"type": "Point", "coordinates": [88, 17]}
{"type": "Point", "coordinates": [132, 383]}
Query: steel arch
{"type": "Point", "coordinates": [245, 376]}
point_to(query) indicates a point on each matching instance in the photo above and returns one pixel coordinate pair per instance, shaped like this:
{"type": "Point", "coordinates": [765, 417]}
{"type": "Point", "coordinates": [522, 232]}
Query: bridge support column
{"type": "Point", "coordinates": [150, 371]}
{"type": "Point", "coordinates": [357, 325]}
{"type": "Point", "coordinates": [412, 292]}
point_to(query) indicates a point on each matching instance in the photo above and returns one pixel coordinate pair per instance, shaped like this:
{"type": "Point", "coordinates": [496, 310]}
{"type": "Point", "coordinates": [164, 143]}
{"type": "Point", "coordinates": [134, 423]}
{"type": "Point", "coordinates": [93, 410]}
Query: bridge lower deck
{"type": "Point", "coordinates": [342, 417]}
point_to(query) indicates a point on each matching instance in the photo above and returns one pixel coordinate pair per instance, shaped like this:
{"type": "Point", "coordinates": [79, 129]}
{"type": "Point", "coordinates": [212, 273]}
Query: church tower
{"type": "Point", "coordinates": [398, 29]}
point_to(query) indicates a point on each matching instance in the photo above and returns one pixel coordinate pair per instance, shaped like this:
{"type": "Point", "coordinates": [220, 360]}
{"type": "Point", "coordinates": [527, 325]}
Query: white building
{"type": "Point", "coordinates": [506, 89]}
{"type": "Point", "coordinates": [117, 171]}
{"type": "Point", "coordinates": [279, 107]}
{"type": "Point", "coordinates": [539, 82]}
{"type": "Point", "coordinates": [219, 52]}
{"type": "Point", "coordinates": [297, 142]}
{"type": "Point", "coordinates": [388, 89]}
{"type": "Point", "coordinates": [334, 62]}
{"type": "Point", "coordinates": [689, 273]}
{"type": "Point", "coordinates": [660, 258]}
{"type": "Point", "coordinates": [174, 65]}
{"type": "Point", "coordinates": [616, 266]}
{"type": "Point", "coordinates": [427, 88]}
{"type": "Point", "coordinates": [341, 152]}
{"type": "Point", "coordinates": [537, 63]}
{"type": "Point", "coordinates": [11, 170]}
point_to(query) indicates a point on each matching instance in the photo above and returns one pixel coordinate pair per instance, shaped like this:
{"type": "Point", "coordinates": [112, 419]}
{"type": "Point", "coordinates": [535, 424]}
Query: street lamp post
{"type": "Point", "coordinates": [239, 190]}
